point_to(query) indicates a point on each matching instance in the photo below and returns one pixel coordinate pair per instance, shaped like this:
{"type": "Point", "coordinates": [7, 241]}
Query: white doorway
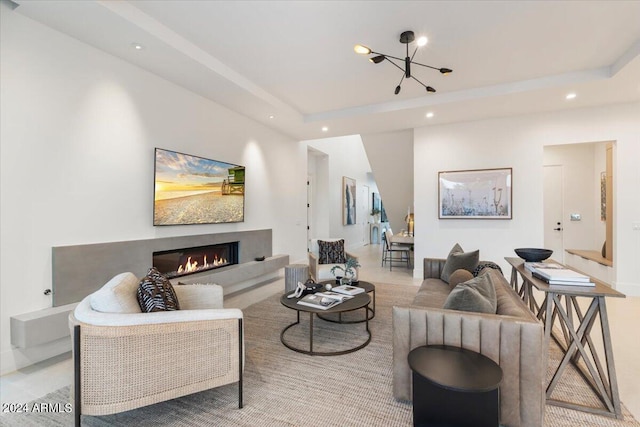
{"type": "Point", "coordinates": [553, 211]}
{"type": "Point", "coordinates": [363, 213]}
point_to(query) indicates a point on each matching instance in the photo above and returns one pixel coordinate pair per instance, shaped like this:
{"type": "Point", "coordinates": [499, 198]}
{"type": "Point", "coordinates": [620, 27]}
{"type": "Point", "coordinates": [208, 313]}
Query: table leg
{"type": "Point", "coordinates": [608, 355]}
{"type": "Point", "coordinates": [605, 388]}
{"type": "Point", "coordinates": [311, 332]}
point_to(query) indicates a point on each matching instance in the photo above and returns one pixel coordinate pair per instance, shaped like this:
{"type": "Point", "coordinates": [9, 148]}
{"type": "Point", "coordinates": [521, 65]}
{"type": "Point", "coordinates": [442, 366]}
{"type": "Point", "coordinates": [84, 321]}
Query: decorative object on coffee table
{"type": "Point", "coordinates": [348, 271]}
{"type": "Point", "coordinates": [293, 274]}
{"type": "Point", "coordinates": [533, 254]}
{"type": "Point", "coordinates": [454, 386]}
{"type": "Point", "coordinates": [371, 310]}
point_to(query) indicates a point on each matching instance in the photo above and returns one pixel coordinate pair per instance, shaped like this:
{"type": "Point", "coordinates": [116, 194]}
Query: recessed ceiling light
{"type": "Point", "coordinates": [422, 41]}
{"type": "Point", "coordinates": [571, 95]}
{"type": "Point", "coordinates": [429, 115]}
{"type": "Point", "coordinates": [137, 46]}
{"type": "Point", "coordinates": [325, 129]}
{"type": "Point", "coordinates": [271, 116]}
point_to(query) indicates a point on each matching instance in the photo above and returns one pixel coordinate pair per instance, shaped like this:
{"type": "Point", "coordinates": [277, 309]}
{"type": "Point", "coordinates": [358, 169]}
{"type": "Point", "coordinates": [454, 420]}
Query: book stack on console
{"type": "Point", "coordinates": [561, 276]}
{"type": "Point", "coordinates": [531, 266]}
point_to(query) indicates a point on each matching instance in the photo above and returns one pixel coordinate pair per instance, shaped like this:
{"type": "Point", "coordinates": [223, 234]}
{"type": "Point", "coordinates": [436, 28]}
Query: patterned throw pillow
{"type": "Point", "coordinates": [331, 252]}
{"type": "Point", "coordinates": [155, 293]}
{"type": "Point", "coordinates": [487, 264]}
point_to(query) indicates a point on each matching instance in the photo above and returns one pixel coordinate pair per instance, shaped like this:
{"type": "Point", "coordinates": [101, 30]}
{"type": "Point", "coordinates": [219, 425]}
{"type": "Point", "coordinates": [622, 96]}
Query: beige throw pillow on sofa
{"type": "Point", "coordinates": [477, 295]}
{"type": "Point", "coordinates": [458, 259]}
{"type": "Point", "coordinates": [459, 276]}
{"type": "Point", "coordinates": [118, 295]}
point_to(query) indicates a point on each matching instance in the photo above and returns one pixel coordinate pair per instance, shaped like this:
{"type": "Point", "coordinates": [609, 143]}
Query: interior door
{"type": "Point", "coordinates": [553, 211]}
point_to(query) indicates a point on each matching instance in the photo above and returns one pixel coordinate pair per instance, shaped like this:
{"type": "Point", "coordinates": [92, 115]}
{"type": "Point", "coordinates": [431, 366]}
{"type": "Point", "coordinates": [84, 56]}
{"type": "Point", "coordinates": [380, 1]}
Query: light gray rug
{"type": "Point", "coordinates": [285, 388]}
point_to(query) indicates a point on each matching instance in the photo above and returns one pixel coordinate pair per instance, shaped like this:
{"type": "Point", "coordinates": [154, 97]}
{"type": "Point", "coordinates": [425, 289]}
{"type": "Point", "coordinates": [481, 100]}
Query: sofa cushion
{"type": "Point", "coordinates": [432, 293]}
{"type": "Point", "coordinates": [459, 276]}
{"type": "Point", "coordinates": [457, 259]}
{"type": "Point", "coordinates": [331, 252]}
{"type": "Point", "coordinates": [118, 295]}
{"type": "Point", "coordinates": [477, 295]}
{"type": "Point", "coordinates": [155, 293]}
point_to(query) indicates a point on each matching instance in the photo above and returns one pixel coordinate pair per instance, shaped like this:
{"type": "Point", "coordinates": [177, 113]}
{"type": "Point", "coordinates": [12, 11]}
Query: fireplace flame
{"type": "Point", "coordinates": [192, 266]}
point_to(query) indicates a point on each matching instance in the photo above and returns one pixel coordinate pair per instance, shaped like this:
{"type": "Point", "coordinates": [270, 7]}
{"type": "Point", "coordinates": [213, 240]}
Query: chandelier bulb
{"type": "Point", "coordinates": [362, 50]}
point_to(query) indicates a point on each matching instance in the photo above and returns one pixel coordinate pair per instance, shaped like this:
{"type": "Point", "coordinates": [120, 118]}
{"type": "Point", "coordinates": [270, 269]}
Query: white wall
{"type": "Point", "coordinates": [391, 157]}
{"type": "Point", "coordinates": [518, 142]}
{"type": "Point", "coordinates": [78, 130]}
{"type": "Point", "coordinates": [346, 157]}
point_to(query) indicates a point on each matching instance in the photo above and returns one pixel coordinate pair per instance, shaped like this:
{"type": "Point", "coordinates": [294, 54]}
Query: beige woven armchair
{"type": "Point", "coordinates": [127, 360]}
{"type": "Point", "coordinates": [320, 272]}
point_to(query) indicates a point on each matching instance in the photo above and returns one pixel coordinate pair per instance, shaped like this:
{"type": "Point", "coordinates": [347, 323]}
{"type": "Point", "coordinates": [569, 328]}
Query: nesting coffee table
{"type": "Point", "coordinates": [360, 301]}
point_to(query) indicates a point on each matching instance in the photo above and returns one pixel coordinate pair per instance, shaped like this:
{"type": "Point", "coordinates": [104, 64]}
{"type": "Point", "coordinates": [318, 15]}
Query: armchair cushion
{"type": "Point", "coordinates": [331, 252]}
{"type": "Point", "coordinates": [198, 296]}
{"type": "Point", "coordinates": [118, 295]}
{"type": "Point", "coordinates": [155, 293]}
{"type": "Point", "coordinates": [457, 259]}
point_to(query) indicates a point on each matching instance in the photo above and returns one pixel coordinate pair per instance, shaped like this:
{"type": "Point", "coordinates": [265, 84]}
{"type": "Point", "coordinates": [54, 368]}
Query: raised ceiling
{"type": "Point", "coordinates": [294, 60]}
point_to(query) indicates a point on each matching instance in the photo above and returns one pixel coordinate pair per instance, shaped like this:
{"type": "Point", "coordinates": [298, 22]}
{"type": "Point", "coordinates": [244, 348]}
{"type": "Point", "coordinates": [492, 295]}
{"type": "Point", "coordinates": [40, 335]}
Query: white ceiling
{"type": "Point", "coordinates": [295, 60]}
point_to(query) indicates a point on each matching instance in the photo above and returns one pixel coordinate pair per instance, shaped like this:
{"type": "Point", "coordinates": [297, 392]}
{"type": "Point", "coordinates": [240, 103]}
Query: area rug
{"type": "Point", "coordinates": [285, 388]}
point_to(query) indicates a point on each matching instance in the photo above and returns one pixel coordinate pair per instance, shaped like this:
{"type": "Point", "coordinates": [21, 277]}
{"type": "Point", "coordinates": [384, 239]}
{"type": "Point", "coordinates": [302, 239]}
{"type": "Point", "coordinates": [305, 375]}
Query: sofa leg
{"type": "Point", "coordinates": [77, 401]}
{"type": "Point", "coordinates": [240, 363]}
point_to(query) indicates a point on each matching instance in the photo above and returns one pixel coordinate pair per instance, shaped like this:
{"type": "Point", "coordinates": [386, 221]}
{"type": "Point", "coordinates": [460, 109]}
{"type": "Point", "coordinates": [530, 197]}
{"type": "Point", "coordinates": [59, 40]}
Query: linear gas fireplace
{"type": "Point", "coordinates": [181, 262]}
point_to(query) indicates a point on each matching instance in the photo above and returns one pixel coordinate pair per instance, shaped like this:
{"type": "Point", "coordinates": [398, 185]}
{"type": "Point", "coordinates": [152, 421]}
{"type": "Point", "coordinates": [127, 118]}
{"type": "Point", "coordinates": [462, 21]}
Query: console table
{"type": "Point", "coordinates": [576, 327]}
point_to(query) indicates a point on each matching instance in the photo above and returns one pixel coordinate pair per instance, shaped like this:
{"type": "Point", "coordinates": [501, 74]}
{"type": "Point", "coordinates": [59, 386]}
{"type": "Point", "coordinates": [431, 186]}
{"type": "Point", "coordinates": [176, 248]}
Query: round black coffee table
{"type": "Point", "coordinates": [454, 386]}
{"type": "Point", "coordinates": [369, 288]}
{"type": "Point", "coordinates": [356, 303]}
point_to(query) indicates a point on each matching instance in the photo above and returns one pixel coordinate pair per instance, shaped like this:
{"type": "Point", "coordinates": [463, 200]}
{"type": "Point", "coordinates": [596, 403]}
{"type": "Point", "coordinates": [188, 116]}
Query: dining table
{"type": "Point", "coordinates": [400, 239]}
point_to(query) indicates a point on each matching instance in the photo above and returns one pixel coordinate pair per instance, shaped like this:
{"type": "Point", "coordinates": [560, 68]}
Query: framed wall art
{"type": "Point", "coordinates": [194, 190]}
{"type": "Point", "coordinates": [475, 194]}
{"type": "Point", "coordinates": [348, 201]}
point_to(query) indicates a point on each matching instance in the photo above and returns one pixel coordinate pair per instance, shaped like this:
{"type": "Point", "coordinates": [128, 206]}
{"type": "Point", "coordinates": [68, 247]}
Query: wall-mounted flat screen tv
{"type": "Point", "coordinates": [194, 190]}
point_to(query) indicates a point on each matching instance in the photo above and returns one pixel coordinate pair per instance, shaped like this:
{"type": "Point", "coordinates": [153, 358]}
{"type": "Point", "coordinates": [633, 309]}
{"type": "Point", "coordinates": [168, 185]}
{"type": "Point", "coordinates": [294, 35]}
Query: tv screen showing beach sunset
{"type": "Point", "coordinates": [195, 190]}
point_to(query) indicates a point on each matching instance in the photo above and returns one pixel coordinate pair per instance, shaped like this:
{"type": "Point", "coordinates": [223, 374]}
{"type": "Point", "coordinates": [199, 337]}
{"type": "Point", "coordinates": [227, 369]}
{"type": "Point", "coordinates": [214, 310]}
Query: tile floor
{"type": "Point", "coordinates": [36, 381]}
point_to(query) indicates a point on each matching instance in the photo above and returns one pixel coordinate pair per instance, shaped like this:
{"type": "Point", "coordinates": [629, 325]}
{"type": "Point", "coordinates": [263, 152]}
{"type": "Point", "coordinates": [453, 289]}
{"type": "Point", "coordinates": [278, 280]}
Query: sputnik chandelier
{"type": "Point", "coordinates": [406, 38]}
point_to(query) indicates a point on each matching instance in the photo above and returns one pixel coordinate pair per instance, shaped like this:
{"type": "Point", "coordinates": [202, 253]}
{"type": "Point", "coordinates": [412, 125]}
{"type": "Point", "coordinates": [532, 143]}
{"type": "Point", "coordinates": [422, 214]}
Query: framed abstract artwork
{"type": "Point", "coordinates": [475, 194]}
{"type": "Point", "coordinates": [348, 201]}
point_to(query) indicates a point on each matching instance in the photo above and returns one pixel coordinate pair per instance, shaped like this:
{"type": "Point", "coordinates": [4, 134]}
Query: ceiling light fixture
{"type": "Point", "coordinates": [137, 46]}
{"type": "Point", "coordinates": [406, 38]}
{"type": "Point", "coordinates": [325, 129]}
{"type": "Point", "coordinates": [429, 115]}
{"type": "Point", "coordinates": [570, 96]}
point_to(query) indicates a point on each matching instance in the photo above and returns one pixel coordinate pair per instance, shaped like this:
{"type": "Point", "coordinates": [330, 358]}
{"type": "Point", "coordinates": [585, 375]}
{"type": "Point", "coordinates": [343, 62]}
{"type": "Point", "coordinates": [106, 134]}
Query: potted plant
{"type": "Point", "coordinates": [348, 271]}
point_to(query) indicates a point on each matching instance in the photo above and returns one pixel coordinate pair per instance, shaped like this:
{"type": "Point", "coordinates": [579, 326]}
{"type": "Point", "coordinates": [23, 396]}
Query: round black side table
{"type": "Point", "coordinates": [454, 387]}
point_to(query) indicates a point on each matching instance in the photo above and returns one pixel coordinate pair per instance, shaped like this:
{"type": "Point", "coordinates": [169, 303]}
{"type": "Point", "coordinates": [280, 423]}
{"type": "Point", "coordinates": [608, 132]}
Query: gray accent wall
{"type": "Point", "coordinates": [82, 269]}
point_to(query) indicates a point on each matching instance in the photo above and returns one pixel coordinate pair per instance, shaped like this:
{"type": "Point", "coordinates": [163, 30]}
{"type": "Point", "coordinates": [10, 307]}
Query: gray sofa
{"type": "Point", "coordinates": [512, 337]}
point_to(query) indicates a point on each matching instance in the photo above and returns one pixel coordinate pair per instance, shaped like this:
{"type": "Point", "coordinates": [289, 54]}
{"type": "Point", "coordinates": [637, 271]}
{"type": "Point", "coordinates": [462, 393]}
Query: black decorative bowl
{"type": "Point", "coordinates": [533, 254]}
